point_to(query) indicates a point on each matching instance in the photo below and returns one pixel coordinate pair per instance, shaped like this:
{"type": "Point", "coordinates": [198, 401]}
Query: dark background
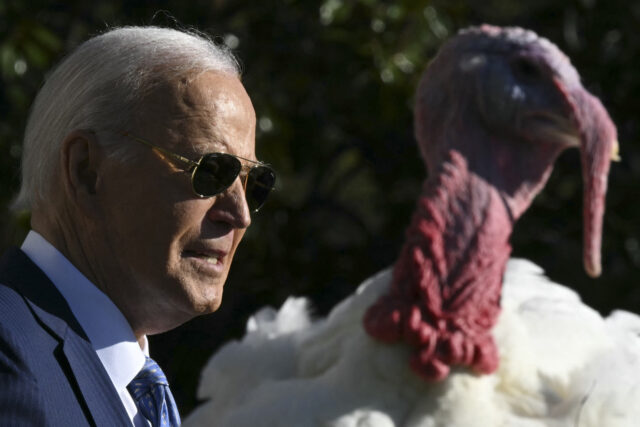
{"type": "Point", "coordinates": [332, 83]}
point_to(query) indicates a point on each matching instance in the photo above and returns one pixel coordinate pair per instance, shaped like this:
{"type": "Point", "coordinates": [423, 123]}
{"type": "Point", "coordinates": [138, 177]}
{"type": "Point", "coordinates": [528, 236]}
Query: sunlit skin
{"type": "Point", "coordinates": [136, 229]}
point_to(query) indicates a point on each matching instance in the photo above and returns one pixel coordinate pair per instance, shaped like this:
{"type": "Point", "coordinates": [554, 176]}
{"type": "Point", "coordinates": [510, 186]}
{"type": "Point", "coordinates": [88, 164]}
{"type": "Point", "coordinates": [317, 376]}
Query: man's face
{"type": "Point", "coordinates": [172, 249]}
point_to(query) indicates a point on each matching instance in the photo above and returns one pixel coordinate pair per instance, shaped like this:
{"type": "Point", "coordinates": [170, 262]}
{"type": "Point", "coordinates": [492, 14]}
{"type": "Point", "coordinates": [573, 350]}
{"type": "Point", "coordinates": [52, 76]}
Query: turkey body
{"type": "Point", "coordinates": [561, 364]}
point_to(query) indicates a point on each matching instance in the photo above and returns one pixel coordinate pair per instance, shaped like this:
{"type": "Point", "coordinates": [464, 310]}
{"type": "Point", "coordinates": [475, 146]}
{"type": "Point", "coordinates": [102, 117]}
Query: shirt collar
{"type": "Point", "coordinates": [105, 326]}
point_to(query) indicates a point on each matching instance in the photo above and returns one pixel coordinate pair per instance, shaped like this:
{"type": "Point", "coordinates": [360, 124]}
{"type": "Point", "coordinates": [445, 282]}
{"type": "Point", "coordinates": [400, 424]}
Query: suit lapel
{"type": "Point", "coordinates": [48, 305]}
{"type": "Point", "coordinates": [97, 390]}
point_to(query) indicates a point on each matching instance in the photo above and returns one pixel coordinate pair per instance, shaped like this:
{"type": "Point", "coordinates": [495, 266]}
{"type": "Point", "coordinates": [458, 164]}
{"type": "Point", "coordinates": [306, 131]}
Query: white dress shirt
{"type": "Point", "coordinates": [104, 324]}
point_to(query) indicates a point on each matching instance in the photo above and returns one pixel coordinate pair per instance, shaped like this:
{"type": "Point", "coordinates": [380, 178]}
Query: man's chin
{"type": "Point", "coordinates": [207, 301]}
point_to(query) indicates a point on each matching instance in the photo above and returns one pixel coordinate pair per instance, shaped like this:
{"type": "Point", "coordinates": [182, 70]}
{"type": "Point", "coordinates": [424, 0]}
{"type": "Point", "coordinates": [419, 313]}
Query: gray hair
{"type": "Point", "coordinates": [100, 86]}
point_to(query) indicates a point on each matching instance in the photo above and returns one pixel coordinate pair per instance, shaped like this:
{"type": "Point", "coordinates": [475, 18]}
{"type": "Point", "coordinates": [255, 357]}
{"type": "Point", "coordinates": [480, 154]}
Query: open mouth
{"type": "Point", "coordinates": [208, 257]}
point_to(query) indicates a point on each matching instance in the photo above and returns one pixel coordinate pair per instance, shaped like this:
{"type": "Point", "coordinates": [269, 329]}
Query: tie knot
{"type": "Point", "coordinates": [150, 390]}
{"type": "Point", "coordinates": [149, 375]}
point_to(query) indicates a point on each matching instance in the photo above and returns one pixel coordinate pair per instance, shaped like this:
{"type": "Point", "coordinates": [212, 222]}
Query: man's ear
{"type": "Point", "coordinates": [81, 156]}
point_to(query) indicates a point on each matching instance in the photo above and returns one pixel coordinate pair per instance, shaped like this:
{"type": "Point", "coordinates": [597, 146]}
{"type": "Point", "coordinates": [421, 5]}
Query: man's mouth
{"type": "Point", "coordinates": [208, 257]}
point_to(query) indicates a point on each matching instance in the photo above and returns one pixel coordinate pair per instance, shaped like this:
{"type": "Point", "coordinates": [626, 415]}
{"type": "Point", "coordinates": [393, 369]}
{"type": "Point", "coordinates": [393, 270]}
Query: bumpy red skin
{"type": "Point", "coordinates": [445, 294]}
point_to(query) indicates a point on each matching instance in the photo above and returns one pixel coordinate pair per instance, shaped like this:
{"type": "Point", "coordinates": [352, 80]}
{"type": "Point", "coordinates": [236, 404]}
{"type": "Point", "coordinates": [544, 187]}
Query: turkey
{"type": "Point", "coordinates": [456, 333]}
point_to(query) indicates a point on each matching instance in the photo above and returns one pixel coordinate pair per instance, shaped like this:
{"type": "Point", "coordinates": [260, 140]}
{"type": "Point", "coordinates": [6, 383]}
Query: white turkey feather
{"type": "Point", "coordinates": [561, 364]}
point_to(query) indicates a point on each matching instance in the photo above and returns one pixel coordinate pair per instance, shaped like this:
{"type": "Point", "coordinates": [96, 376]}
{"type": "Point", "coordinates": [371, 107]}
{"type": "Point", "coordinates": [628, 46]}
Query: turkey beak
{"type": "Point", "coordinates": [599, 146]}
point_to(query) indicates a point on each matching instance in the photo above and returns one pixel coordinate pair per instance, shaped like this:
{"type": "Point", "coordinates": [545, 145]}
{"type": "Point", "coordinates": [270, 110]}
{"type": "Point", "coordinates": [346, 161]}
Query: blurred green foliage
{"type": "Point", "coordinates": [332, 83]}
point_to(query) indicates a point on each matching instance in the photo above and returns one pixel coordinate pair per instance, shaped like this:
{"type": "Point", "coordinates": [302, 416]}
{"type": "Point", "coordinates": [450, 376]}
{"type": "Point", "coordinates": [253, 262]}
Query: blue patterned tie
{"type": "Point", "coordinates": [150, 390]}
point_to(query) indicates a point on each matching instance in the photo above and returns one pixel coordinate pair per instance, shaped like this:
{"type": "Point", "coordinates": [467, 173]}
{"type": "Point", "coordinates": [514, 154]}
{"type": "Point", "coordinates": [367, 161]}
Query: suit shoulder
{"type": "Point", "coordinates": [12, 303]}
{"type": "Point", "coordinates": [13, 307]}
{"type": "Point", "coordinates": [21, 401]}
{"type": "Point", "coordinates": [19, 327]}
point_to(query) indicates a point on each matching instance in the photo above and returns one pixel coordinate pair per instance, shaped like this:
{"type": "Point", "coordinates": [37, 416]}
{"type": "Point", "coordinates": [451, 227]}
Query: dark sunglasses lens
{"type": "Point", "coordinates": [215, 174]}
{"type": "Point", "coordinates": [260, 182]}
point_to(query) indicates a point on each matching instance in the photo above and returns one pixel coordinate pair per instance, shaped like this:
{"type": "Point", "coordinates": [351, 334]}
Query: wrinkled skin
{"type": "Point", "coordinates": [136, 229]}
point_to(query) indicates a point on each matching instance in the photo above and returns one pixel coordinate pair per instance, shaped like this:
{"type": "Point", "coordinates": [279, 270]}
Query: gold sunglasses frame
{"type": "Point", "coordinates": [193, 165]}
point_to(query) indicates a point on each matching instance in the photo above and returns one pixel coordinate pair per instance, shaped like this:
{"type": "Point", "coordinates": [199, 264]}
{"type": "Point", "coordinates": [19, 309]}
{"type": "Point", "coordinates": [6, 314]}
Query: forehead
{"type": "Point", "coordinates": [209, 110]}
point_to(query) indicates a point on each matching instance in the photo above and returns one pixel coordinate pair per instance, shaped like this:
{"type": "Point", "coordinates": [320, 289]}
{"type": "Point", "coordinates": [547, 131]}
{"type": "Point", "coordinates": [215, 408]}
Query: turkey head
{"type": "Point", "coordinates": [493, 111]}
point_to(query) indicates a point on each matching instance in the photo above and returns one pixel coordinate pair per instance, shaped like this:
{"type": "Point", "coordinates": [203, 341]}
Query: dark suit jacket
{"type": "Point", "coordinates": [50, 375]}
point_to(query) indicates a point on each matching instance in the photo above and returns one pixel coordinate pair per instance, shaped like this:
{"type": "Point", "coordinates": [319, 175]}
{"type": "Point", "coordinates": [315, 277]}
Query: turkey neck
{"type": "Point", "coordinates": [462, 224]}
{"type": "Point", "coordinates": [445, 294]}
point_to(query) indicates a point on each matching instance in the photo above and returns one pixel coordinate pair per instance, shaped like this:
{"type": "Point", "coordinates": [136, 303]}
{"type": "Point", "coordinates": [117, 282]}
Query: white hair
{"type": "Point", "coordinates": [99, 88]}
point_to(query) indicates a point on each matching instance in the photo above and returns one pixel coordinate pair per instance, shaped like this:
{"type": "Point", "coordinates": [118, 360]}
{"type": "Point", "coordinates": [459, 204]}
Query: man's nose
{"type": "Point", "coordinates": [231, 205]}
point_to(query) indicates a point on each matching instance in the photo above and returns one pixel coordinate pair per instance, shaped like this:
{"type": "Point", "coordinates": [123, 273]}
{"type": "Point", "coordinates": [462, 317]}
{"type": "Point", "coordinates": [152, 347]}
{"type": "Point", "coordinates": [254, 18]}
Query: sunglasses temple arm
{"type": "Point", "coordinates": [163, 151]}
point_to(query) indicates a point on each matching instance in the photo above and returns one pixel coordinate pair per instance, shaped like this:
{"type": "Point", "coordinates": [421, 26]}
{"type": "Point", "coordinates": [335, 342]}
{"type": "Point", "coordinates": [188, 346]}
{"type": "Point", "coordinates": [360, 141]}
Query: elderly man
{"type": "Point", "coordinates": [140, 172]}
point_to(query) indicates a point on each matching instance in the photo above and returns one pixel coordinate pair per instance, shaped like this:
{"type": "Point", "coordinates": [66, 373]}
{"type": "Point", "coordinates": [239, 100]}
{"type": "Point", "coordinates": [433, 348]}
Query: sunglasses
{"type": "Point", "coordinates": [213, 173]}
